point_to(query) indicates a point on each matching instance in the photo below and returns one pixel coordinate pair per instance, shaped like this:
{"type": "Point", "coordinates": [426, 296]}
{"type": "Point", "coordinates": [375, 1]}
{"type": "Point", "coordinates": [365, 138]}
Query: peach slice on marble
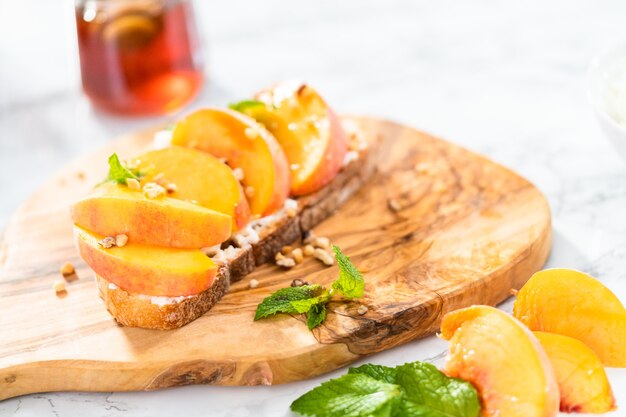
{"type": "Point", "coordinates": [583, 385]}
{"type": "Point", "coordinates": [574, 304]}
{"type": "Point", "coordinates": [503, 360]}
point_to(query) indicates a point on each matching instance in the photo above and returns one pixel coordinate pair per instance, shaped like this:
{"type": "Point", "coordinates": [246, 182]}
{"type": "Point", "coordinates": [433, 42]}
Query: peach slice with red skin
{"type": "Point", "coordinates": [574, 304]}
{"type": "Point", "coordinates": [148, 270]}
{"type": "Point", "coordinates": [199, 177]}
{"type": "Point", "coordinates": [244, 144]}
{"type": "Point", "coordinates": [308, 130]}
{"type": "Point", "coordinates": [503, 360]}
{"type": "Point", "coordinates": [583, 385]}
{"type": "Point", "coordinates": [114, 209]}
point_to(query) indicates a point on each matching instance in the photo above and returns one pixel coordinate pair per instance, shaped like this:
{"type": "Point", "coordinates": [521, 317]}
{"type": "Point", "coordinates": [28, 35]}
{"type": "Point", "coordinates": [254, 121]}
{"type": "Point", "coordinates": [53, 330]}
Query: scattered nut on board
{"type": "Point", "coordinates": [59, 288]}
{"type": "Point", "coordinates": [286, 262]}
{"type": "Point", "coordinates": [297, 255]}
{"type": "Point", "coordinates": [69, 272]}
{"type": "Point", "coordinates": [253, 283]}
{"type": "Point", "coordinates": [323, 256]}
{"type": "Point", "coordinates": [309, 250]}
{"type": "Point", "coordinates": [362, 310]}
{"type": "Point", "coordinates": [298, 282]}
{"type": "Point", "coordinates": [286, 250]}
{"type": "Point", "coordinates": [279, 256]}
{"type": "Point", "coordinates": [321, 242]}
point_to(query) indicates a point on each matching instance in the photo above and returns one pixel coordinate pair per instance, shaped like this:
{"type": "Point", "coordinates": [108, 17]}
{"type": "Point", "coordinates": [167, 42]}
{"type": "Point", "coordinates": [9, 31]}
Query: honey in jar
{"type": "Point", "coordinates": [138, 56]}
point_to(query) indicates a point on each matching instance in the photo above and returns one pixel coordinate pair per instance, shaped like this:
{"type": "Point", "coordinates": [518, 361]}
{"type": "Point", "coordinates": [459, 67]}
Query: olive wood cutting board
{"type": "Point", "coordinates": [467, 231]}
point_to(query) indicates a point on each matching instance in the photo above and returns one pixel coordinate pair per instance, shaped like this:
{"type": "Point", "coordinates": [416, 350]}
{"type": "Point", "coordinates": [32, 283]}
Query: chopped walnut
{"type": "Point", "coordinates": [298, 282]}
{"type": "Point", "coordinates": [59, 287]}
{"type": "Point", "coordinates": [286, 263]}
{"type": "Point", "coordinates": [171, 188]}
{"type": "Point", "coordinates": [297, 255]}
{"type": "Point", "coordinates": [279, 256]}
{"type": "Point", "coordinates": [239, 174]}
{"type": "Point", "coordinates": [323, 256]}
{"type": "Point", "coordinates": [285, 250]}
{"type": "Point", "coordinates": [153, 190]}
{"type": "Point", "coordinates": [107, 242]}
{"type": "Point", "coordinates": [121, 240]}
{"type": "Point", "coordinates": [321, 242]}
{"type": "Point", "coordinates": [253, 283]}
{"type": "Point", "coordinates": [69, 272]}
{"type": "Point", "coordinates": [133, 184]}
{"type": "Point", "coordinates": [67, 269]}
{"type": "Point", "coordinates": [309, 250]}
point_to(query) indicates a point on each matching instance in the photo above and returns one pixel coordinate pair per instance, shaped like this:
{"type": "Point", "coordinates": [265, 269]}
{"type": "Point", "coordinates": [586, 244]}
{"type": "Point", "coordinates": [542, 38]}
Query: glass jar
{"type": "Point", "coordinates": [138, 56]}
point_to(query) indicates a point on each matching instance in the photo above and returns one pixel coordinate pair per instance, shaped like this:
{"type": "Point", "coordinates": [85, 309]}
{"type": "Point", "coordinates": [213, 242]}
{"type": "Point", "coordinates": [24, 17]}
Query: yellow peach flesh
{"type": "Point", "coordinates": [197, 176]}
{"type": "Point", "coordinates": [574, 304]}
{"type": "Point", "coordinates": [148, 270]}
{"type": "Point", "coordinates": [113, 209]}
{"type": "Point", "coordinates": [503, 360]}
{"type": "Point", "coordinates": [583, 385]}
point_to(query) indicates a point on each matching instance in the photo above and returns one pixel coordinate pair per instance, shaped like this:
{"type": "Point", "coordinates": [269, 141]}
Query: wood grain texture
{"type": "Point", "coordinates": [468, 230]}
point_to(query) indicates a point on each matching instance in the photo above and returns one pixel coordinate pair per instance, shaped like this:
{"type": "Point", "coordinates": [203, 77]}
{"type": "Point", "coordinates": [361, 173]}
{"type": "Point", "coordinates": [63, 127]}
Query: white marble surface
{"type": "Point", "coordinates": [505, 78]}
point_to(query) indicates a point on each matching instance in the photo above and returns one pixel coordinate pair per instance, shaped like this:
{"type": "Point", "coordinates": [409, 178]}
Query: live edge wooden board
{"type": "Point", "coordinates": [468, 231]}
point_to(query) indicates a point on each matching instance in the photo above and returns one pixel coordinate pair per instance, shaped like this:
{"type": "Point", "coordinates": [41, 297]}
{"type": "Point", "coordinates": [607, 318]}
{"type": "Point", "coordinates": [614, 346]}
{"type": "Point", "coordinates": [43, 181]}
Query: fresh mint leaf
{"type": "Point", "coordinates": [280, 301]}
{"type": "Point", "coordinates": [118, 172]}
{"type": "Point", "coordinates": [303, 306]}
{"type": "Point", "coordinates": [414, 389]}
{"type": "Point", "coordinates": [429, 392]}
{"type": "Point", "coordinates": [379, 372]}
{"type": "Point", "coordinates": [244, 105]}
{"type": "Point", "coordinates": [350, 282]}
{"type": "Point", "coordinates": [352, 395]}
{"type": "Point", "coordinates": [316, 315]}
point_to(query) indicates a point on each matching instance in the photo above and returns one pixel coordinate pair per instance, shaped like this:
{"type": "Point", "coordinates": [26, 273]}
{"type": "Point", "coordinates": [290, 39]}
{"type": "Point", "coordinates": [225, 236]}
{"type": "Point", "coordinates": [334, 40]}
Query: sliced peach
{"type": "Point", "coordinates": [583, 384]}
{"type": "Point", "coordinates": [199, 177]}
{"type": "Point", "coordinates": [503, 360]}
{"type": "Point", "coordinates": [114, 209]}
{"type": "Point", "coordinates": [574, 304]}
{"type": "Point", "coordinates": [149, 270]}
{"type": "Point", "coordinates": [308, 130]}
{"type": "Point", "coordinates": [244, 144]}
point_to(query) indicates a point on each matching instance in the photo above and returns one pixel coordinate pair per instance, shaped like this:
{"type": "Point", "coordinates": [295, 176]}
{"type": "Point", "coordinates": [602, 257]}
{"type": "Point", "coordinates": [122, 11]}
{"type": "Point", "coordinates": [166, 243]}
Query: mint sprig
{"type": "Point", "coordinates": [350, 282]}
{"type": "Point", "coordinates": [281, 301]}
{"type": "Point", "coordinates": [351, 395]}
{"type": "Point", "coordinates": [415, 389]}
{"type": "Point", "coordinates": [312, 299]}
{"type": "Point", "coordinates": [245, 105]}
{"type": "Point", "coordinates": [118, 172]}
{"type": "Point", "coordinates": [316, 315]}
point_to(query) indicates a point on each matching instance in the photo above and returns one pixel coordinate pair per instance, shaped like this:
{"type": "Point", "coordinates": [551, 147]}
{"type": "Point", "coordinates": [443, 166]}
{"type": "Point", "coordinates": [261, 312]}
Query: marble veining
{"type": "Point", "coordinates": [506, 79]}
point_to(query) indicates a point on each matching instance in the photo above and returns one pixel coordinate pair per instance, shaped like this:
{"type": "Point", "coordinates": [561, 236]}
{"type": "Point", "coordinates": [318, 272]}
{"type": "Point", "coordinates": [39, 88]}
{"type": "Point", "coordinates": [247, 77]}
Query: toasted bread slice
{"type": "Point", "coordinates": [255, 245]}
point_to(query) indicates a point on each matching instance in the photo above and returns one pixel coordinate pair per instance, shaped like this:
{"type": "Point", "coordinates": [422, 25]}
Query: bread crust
{"type": "Point", "coordinates": [136, 310]}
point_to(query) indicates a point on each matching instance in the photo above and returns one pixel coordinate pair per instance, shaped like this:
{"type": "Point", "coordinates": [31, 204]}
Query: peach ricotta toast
{"type": "Point", "coordinates": [170, 229]}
